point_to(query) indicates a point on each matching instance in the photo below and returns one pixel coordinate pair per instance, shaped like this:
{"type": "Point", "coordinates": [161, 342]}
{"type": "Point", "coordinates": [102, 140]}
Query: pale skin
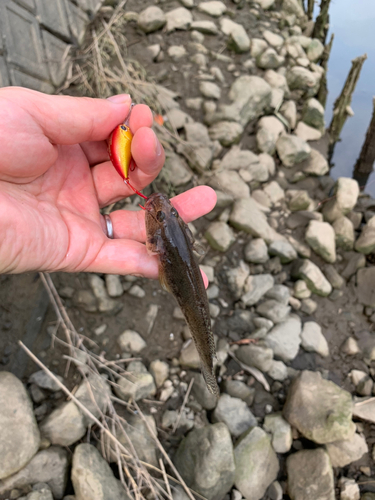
{"type": "Point", "coordinates": [55, 175]}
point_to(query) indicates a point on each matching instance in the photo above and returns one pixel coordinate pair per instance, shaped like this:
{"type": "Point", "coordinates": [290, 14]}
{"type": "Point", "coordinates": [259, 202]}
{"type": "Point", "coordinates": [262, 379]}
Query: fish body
{"type": "Point", "coordinates": [170, 238]}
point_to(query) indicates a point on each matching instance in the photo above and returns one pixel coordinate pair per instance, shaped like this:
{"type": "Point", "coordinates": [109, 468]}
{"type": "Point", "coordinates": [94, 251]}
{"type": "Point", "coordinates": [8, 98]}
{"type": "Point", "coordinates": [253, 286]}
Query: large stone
{"type": "Point", "coordinates": [344, 232]}
{"type": "Point", "coordinates": [220, 236]}
{"type": "Point", "coordinates": [292, 150]}
{"type": "Point", "coordinates": [65, 425]}
{"type": "Point", "coordinates": [257, 465]}
{"type": "Point", "coordinates": [310, 475]}
{"type": "Point", "coordinates": [179, 19]}
{"type": "Point", "coordinates": [366, 286]}
{"type": "Point", "coordinates": [226, 132]}
{"type": "Point", "coordinates": [319, 409]}
{"type": "Point", "coordinates": [235, 414]}
{"type": "Point", "coordinates": [321, 238]}
{"type": "Point", "coordinates": [92, 477]}
{"type": "Point", "coordinates": [151, 19]}
{"type": "Point", "coordinates": [299, 78]}
{"type": "Point", "coordinates": [313, 276]}
{"type": "Point", "coordinates": [313, 114]}
{"type": "Point", "coordinates": [239, 38]}
{"type": "Point", "coordinates": [255, 287]}
{"type": "Point", "coordinates": [316, 164]}
{"type": "Point", "coordinates": [313, 340]}
{"type": "Point", "coordinates": [205, 460]}
{"type": "Point", "coordinates": [48, 466]}
{"type": "Point", "coordinates": [19, 436]}
{"type": "Point", "coordinates": [343, 453]}
{"type": "Point", "coordinates": [247, 216]}
{"type": "Point", "coordinates": [285, 338]}
{"type": "Point", "coordinates": [269, 130]}
{"type": "Point", "coordinates": [344, 199]}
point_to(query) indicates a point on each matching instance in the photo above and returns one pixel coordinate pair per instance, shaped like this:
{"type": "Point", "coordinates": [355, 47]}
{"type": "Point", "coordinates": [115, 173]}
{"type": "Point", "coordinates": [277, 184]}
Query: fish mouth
{"type": "Point", "coordinates": [155, 200]}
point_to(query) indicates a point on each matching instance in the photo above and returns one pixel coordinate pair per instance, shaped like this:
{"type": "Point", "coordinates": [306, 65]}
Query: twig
{"type": "Point", "coordinates": [165, 478]}
{"type": "Point", "coordinates": [253, 371]}
{"type": "Point", "coordinates": [183, 405]}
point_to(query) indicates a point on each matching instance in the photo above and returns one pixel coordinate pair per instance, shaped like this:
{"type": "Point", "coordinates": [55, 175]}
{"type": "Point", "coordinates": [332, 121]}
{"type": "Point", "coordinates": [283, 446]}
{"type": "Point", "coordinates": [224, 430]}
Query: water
{"type": "Point", "coordinates": [353, 23]}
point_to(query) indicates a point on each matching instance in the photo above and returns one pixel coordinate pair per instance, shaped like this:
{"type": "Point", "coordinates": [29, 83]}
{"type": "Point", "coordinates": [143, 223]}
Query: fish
{"type": "Point", "coordinates": [170, 238]}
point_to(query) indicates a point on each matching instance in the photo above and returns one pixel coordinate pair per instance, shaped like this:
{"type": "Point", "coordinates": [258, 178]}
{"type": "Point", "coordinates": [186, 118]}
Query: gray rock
{"type": "Point", "coordinates": [349, 489]}
{"type": "Point", "coordinates": [189, 356]}
{"type": "Point", "coordinates": [269, 130]}
{"type": "Point", "coordinates": [231, 183]}
{"type": "Point", "coordinates": [310, 475]}
{"type": "Point", "coordinates": [265, 4]}
{"type": "Point", "coordinates": [105, 303]}
{"type": "Point", "coordinates": [114, 285]}
{"type": "Point", "coordinates": [300, 290]}
{"type": "Point", "coordinates": [343, 453]}
{"type": "Point", "coordinates": [238, 389]}
{"type": "Point", "coordinates": [92, 477]}
{"type": "Point", "coordinates": [236, 278]}
{"type": "Point", "coordinates": [177, 170]}
{"type": "Point", "coordinates": [239, 39]}
{"type": "Point", "coordinates": [366, 286]}
{"type": "Point", "coordinates": [273, 39]}
{"type": "Point", "coordinates": [316, 164]}
{"type": "Point", "coordinates": [255, 287]}
{"type": "Point", "coordinates": [274, 191]}
{"type": "Point", "coordinates": [313, 340]}
{"type": "Point", "coordinates": [151, 19]}
{"type": "Point", "coordinates": [160, 371]}
{"type": "Point", "coordinates": [256, 251]}
{"type": "Point", "coordinates": [178, 19]}
{"type": "Point", "coordinates": [19, 438]}
{"type": "Point", "coordinates": [284, 250]}
{"type": "Point", "coordinates": [206, 27]}
{"type": "Point", "coordinates": [257, 465]}
{"type": "Point", "coordinates": [308, 306]}
{"type": "Point", "coordinates": [258, 356]}
{"type": "Point", "coordinates": [302, 79]}
{"type": "Point", "coordinates": [268, 162]}
{"type": "Point", "coordinates": [178, 118]}
{"type": "Point", "coordinates": [312, 275]}
{"type": "Point", "coordinates": [315, 50]}
{"type": "Point", "coordinates": [298, 200]}
{"type": "Point", "coordinates": [235, 414]}
{"type": "Point", "coordinates": [201, 393]}
{"type": "Point", "coordinates": [205, 460]}
{"type": "Point", "coordinates": [281, 432]}
{"type": "Point", "coordinates": [94, 393]}
{"type": "Point", "coordinates": [277, 80]}
{"type": "Point", "coordinates": [226, 132]}
{"type": "Point", "coordinates": [292, 150]}
{"type": "Point", "coordinates": [364, 408]}
{"type": "Point", "coordinates": [284, 339]}
{"type": "Point", "coordinates": [86, 299]}
{"type": "Point", "coordinates": [293, 7]}
{"type": "Point", "coordinates": [131, 341]}
{"type": "Point", "coordinates": [354, 262]}
{"type": "Point", "coordinates": [278, 371]}
{"type": "Point", "coordinates": [366, 241]}
{"type": "Point", "coordinates": [65, 425]}
{"type": "Point", "coordinates": [313, 114]}
{"type": "Point", "coordinates": [184, 421]}
{"type": "Point", "coordinates": [269, 59]}
{"type": "Point", "coordinates": [197, 133]}
{"type": "Point", "coordinates": [210, 90]}
{"type": "Point", "coordinates": [281, 293]}
{"type": "Point", "coordinates": [247, 216]}
{"type": "Point", "coordinates": [212, 8]}
{"type": "Point", "coordinates": [307, 133]}
{"type": "Point", "coordinates": [273, 310]}
{"type": "Point", "coordinates": [321, 238]}
{"type": "Point", "coordinates": [344, 199]}
{"type": "Point", "coordinates": [350, 347]}
{"type": "Point", "coordinates": [319, 409]}
{"type": "Point", "coordinates": [220, 236]}
{"type": "Point", "coordinates": [344, 232]}
{"type": "Point", "coordinates": [48, 466]}
{"type": "Point", "coordinates": [237, 159]}
{"type": "Point", "coordinates": [41, 493]}
{"type": "Point", "coordinates": [137, 291]}
{"type": "Point", "coordinates": [44, 381]}
{"type": "Point", "coordinates": [289, 111]}
{"type": "Point", "coordinates": [137, 384]}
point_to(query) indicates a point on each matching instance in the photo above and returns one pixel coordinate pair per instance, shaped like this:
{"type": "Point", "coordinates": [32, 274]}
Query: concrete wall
{"type": "Point", "coordinates": [34, 39]}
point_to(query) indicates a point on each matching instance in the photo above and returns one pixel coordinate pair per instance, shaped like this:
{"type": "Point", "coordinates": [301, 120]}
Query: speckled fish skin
{"type": "Point", "coordinates": [170, 238]}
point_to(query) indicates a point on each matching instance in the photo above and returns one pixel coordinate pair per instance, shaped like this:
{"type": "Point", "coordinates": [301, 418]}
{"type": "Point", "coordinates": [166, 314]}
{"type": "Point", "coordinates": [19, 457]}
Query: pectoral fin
{"type": "Point", "coordinates": [163, 282]}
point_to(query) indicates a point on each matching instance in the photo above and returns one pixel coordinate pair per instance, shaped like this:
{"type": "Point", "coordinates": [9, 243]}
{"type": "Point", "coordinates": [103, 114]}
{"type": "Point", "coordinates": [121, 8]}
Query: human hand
{"type": "Point", "coordinates": [55, 175]}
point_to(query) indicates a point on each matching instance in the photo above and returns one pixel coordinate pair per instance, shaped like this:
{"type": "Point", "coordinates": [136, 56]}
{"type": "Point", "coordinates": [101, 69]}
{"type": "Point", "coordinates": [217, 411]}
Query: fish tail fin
{"type": "Point", "coordinates": [211, 383]}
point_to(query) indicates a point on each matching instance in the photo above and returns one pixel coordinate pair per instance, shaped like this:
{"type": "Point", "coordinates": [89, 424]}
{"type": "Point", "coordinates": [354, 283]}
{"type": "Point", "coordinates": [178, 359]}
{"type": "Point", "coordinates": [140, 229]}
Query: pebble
{"type": "Point", "coordinates": [301, 290]}
{"type": "Point", "coordinates": [350, 347]}
{"type": "Point", "coordinates": [284, 339]}
{"type": "Point", "coordinates": [269, 130]}
{"type": "Point", "coordinates": [274, 191]}
{"type": "Point", "coordinates": [312, 275]}
{"type": "Point", "coordinates": [273, 310]}
{"type": "Point", "coordinates": [114, 285]}
{"type": "Point", "coordinates": [278, 371]}
{"type": "Point", "coordinates": [313, 340]}
{"type": "Point", "coordinates": [205, 460]}
{"type": "Point", "coordinates": [315, 165]}
{"type": "Point", "coordinates": [281, 432]}
{"type": "Point", "coordinates": [302, 79]}
{"type": "Point", "coordinates": [160, 371]}
{"type": "Point", "coordinates": [269, 59]}
{"type": "Point", "coordinates": [313, 114]}
{"type": "Point", "coordinates": [206, 27]}
{"type": "Point", "coordinates": [201, 393]}
{"type": "Point", "coordinates": [310, 399]}
{"type": "Point", "coordinates": [65, 425]}
{"type": "Point", "coordinates": [256, 251]}
{"type": "Point", "coordinates": [307, 133]}
{"type": "Point", "coordinates": [343, 453]}
{"type": "Point", "coordinates": [256, 287]}
{"type": "Point", "coordinates": [179, 19]}
{"type": "Point", "coordinates": [44, 381]}
{"type": "Point", "coordinates": [258, 356]}
{"type": "Point", "coordinates": [137, 384]}
{"type": "Point", "coordinates": [344, 200]}
{"type": "Point", "coordinates": [220, 236]}
{"type": "Point", "coordinates": [226, 132]}
{"type": "Point", "coordinates": [292, 150]}
{"type": "Point", "coordinates": [235, 414]}
{"type": "Point", "coordinates": [284, 250]}
{"type": "Point", "coordinates": [366, 241]}
{"type": "Point", "coordinates": [47, 466]}
{"type": "Point", "coordinates": [20, 438]}
{"type": "Point", "coordinates": [105, 303]}
{"type": "Point", "coordinates": [131, 341]}
{"type": "Point", "coordinates": [189, 356]}
{"type": "Point", "coordinates": [257, 463]}
{"type": "Point", "coordinates": [365, 286]}
{"type": "Point", "coordinates": [281, 293]}
{"type": "Point", "coordinates": [92, 477]}
{"type": "Point", "coordinates": [237, 33]}
{"type": "Point", "coordinates": [310, 471]}
{"type": "Point", "coordinates": [238, 389]}
{"type": "Point", "coordinates": [151, 19]}
{"type": "Point", "coordinates": [273, 39]}
{"type": "Point", "coordinates": [308, 306]}
{"type": "Point", "coordinates": [349, 489]}
{"type": "Point", "coordinates": [94, 393]}
{"type": "Point", "coordinates": [212, 8]}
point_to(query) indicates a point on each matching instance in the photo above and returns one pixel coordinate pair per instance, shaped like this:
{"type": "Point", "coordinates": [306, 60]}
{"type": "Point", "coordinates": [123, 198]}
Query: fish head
{"type": "Point", "coordinates": [159, 211]}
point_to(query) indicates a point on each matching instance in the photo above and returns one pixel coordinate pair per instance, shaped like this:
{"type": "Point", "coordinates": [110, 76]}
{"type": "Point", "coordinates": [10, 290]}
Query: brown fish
{"type": "Point", "coordinates": [170, 238]}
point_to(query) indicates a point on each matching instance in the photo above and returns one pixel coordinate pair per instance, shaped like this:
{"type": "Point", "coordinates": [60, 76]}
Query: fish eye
{"type": "Point", "coordinates": [124, 127]}
{"type": "Point", "coordinates": [160, 216]}
{"type": "Point", "coordinates": [174, 212]}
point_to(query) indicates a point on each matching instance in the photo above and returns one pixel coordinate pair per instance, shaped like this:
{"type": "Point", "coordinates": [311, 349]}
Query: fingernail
{"type": "Point", "coordinates": [158, 148]}
{"type": "Point", "coordinates": [120, 99]}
